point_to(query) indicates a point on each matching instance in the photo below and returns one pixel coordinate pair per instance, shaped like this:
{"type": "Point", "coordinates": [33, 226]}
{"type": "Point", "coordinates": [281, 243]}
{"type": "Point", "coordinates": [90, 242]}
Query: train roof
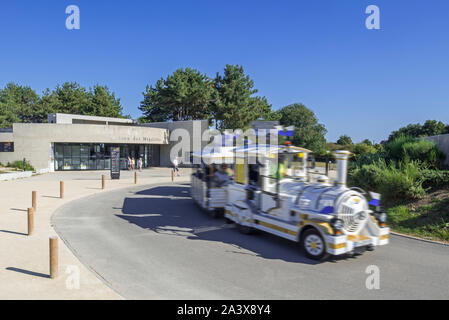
{"type": "Point", "coordinates": [264, 149]}
{"type": "Point", "coordinates": [217, 153]}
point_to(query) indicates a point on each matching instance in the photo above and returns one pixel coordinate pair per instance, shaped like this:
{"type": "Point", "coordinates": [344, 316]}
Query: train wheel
{"type": "Point", "coordinates": [215, 214]}
{"type": "Point", "coordinates": [313, 245]}
{"type": "Point", "coordinates": [244, 229]}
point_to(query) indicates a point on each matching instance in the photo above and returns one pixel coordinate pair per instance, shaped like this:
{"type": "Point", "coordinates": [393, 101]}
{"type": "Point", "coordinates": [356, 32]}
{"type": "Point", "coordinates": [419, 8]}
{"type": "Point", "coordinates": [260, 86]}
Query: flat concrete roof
{"type": "Point", "coordinates": [64, 118]}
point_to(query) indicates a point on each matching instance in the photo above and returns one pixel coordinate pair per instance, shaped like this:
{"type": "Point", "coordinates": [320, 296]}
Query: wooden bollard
{"type": "Point", "coordinates": [103, 183]}
{"type": "Point", "coordinates": [33, 200]}
{"type": "Point", "coordinates": [53, 257]}
{"type": "Point", "coordinates": [30, 221]}
{"type": "Point", "coordinates": [61, 189]}
{"type": "Point", "coordinates": [135, 177]}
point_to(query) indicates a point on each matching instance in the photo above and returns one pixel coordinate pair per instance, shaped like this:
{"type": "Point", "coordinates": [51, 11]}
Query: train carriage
{"type": "Point", "coordinates": [206, 191]}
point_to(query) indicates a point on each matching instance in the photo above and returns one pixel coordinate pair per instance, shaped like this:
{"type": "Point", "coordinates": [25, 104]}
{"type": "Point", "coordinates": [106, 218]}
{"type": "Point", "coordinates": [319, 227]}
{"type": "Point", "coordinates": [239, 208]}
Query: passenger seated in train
{"type": "Point", "coordinates": [221, 176]}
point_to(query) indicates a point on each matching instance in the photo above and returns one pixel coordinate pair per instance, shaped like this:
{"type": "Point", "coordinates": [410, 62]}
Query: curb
{"type": "Point", "coordinates": [15, 175]}
{"type": "Point", "coordinates": [419, 239]}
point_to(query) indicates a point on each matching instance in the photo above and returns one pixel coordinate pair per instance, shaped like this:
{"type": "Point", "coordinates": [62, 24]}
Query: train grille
{"type": "Point", "coordinates": [350, 219]}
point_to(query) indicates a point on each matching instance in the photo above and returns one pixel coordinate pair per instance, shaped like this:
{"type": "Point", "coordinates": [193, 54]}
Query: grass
{"type": "Point", "coordinates": [428, 220]}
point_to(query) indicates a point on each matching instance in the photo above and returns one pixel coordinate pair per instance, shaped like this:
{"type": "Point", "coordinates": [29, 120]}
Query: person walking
{"type": "Point", "coordinates": [133, 163]}
{"type": "Point", "coordinates": [139, 164]}
{"type": "Point", "coordinates": [175, 166]}
{"type": "Point", "coordinates": [128, 162]}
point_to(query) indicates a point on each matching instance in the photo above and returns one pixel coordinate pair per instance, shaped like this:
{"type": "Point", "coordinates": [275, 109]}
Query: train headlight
{"type": "Point", "coordinates": [382, 218]}
{"type": "Point", "coordinates": [337, 225]}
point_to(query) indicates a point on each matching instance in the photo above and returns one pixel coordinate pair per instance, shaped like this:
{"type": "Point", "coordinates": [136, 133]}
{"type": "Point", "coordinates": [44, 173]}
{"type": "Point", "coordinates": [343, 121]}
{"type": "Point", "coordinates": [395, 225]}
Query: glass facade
{"type": "Point", "coordinates": [97, 156]}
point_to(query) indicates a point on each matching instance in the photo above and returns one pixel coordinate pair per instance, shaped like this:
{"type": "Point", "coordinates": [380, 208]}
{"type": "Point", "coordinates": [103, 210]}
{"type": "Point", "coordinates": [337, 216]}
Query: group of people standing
{"type": "Point", "coordinates": [131, 163]}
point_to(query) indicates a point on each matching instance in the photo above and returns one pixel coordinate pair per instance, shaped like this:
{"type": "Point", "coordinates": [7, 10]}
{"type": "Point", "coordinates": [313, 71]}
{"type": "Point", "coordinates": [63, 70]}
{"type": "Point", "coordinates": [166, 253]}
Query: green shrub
{"type": "Point", "coordinates": [397, 183]}
{"type": "Point", "coordinates": [363, 148]}
{"type": "Point", "coordinates": [401, 171]}
{"type": "Point", "coordinates": [394, 148]}
{"type": "Point", "coordinates": [435, 179]}
{"type": "Point", "coordinates": [406, 148]}
{"type": "Point", "coordinates": [401, 183]}
{"type": "Point", "coordinates": [368, 158]}
{"type": "Point", "coordinates": [367, 176]}
{"type": "Point", "coordinates": [19, 165]}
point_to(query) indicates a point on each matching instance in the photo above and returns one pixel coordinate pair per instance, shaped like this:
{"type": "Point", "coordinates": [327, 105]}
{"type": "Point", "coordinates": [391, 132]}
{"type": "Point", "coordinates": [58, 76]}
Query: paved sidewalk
{"type": "Point", "coordinates": [24, 261]}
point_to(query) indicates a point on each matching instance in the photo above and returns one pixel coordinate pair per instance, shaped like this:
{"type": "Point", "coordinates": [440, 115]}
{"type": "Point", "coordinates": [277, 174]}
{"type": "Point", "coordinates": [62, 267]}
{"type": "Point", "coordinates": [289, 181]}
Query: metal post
{"type": "Point", "coordinates": [24, 164]}
{"type": "Point", "coordinates": [103, 183]}
{"type": "Point", "coordinates": [135, 177]}
{"type": "Point", "coordinates": [172, 175]}
{"type": "Point", "coordinates": [30, 221]}
{"type": "Point", "coordinates": [33, 200]}
{"type": "Point", "coordinates": [327, 164]}
{"type": "Point", "coordinates": [53, 257]}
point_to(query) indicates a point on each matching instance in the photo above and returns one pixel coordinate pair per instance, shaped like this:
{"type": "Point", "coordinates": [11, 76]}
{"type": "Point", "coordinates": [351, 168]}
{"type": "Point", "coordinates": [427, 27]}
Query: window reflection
{"type": "Point", "coordinates": [97, 156]}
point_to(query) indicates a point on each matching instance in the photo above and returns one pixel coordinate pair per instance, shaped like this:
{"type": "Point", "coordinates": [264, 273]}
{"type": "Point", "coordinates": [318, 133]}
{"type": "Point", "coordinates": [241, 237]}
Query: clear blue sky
{"type": "Point", "coordinates": [364, 83]}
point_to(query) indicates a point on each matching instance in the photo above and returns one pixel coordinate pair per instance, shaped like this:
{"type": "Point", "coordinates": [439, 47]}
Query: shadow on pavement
{"type": "Point", "coordinates": [167, 191]}
{"type": "Point", "coordinates": [13, 232]}
{"type": "Point", "coordinates": [31, 273]}
{"type": "Point", "coordinates": [181, 217]}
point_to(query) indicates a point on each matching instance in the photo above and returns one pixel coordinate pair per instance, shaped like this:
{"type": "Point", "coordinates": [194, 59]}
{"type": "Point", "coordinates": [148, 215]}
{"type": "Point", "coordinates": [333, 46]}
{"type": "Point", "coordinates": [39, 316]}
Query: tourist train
{"type": "Point", "coordinates": [271, 188]}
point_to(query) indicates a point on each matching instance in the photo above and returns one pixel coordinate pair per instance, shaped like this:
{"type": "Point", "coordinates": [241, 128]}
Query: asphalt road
{"type": "Point", "coordinates": [154, 243]}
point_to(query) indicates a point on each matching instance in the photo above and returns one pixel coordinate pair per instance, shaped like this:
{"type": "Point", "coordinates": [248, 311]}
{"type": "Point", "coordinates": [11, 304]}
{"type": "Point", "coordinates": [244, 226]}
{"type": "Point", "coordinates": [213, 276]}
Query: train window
{"type": "Point", "coordinates": [253, 174]}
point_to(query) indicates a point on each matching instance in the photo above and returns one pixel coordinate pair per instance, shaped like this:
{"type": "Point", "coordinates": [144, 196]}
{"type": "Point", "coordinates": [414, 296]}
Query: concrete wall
{"type": "Point", "coordinates": [443, 142]}
{"type": "Point", "coordinates": [194, 129]}
{"type": "Point", "coordinates": [34, 141]}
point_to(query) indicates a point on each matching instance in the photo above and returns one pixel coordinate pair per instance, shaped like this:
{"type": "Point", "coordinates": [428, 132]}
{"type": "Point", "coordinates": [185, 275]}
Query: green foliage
{"type": "Point", "coordinates": [142, 119]}
{"type": "Point", "coordinates": [18, 164]}
{"type": "Point", "coordinates": [435, 179]}
{"type": "Point", "coordinates": [396, 182]}
{"type": "Point", "coordinates": [228, 100]}
{"type": "Point", "coordinates": [104, 103]}
{"type": "Point", "coordinates": [234, 105]}
{"type": "Point", "coordinates": [403, 171]}
{"type": "Point", "coordinates": [407, 148]}
{"type": "Point", "coordinates": [402, 183]}
{"type": "Point", "coordinates": [368, 158]}
{"type": "Point", "coordinates": [308, 132]}
{"type": "Point", "coordinates": [22, 104]}
{"type": "Point", "coordinates": [71, 97]}
{"type": "Point", "coordinates": [184, 95]}
{"type": "Point", "coordinates": [18, 104]}
{"type": "Point", "coordinates": [344, 140]}
{"type": "Point", "coordinates": [363, 148]}
{"type": "Point", "coordinates": [367, 176]}
{"type": "Point", "coordinates": [367, 142]}
{"type": "Point", "coordinates": [430, 128]}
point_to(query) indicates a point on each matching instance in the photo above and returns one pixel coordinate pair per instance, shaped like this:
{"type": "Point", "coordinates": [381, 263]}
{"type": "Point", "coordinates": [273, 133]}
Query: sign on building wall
{"type": "Point", "coordinates": [6, 146]}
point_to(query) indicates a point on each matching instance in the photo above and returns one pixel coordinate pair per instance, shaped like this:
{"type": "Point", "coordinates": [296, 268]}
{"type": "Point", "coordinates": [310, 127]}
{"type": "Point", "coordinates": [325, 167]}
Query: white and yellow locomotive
{"type": "Point", "coordinates": [273, 191]}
